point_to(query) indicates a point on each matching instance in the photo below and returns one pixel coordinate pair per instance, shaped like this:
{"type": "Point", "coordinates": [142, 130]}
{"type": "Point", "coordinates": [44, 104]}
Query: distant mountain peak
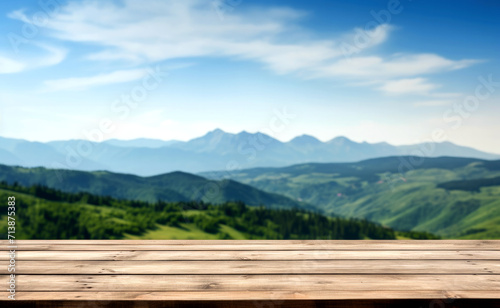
{"type": "Point", "coordinates": [216, 150]}
{"type": "Point", "coordinates": [216, 131]}
{"type": "Point", "coordinates": [340, 140]}
{"type": "Point", "coordinates": [214, 134]}
{"type": "Point", "coordinates": [305, 139]}
{"type": "Point", "coordinates": [261, 136]}
{"type": "Point", "coordinates": [243, 133]}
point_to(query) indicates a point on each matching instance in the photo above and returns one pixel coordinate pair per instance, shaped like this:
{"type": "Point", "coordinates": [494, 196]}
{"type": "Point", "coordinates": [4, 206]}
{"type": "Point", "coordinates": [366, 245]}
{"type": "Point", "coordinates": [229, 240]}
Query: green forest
{"type": "Point", "coordinates": [448, 196]}
{"type": "Point", "coordinates": [45, 213]}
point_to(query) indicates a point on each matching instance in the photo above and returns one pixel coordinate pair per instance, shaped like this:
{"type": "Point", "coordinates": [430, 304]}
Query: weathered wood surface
{"type": "Point", "coordinates": [425, 267]}
{"type": "Point", "coordinates": [254, 245]}
{"type": "Point", "coordinates": [175, 270]}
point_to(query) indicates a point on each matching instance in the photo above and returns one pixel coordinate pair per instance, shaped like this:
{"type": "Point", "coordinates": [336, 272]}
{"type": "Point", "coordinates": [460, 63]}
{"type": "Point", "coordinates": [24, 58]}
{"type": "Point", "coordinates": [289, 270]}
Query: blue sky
{"type": "Point", "coordinates": [395, 71]}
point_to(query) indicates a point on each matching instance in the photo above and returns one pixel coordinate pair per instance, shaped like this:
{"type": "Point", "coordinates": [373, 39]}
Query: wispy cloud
{"type": "Point", "coordinates": [8, 66]}
{"type": "Point", "coordinates": [47, 56]}
{"type": "Point", "coordinates": [81, 83]}
{"type": "Point", "coordinates": [447, 95]}
{"type": "Point", "coordinates": [408, 86]}
{"type": "Point", "coordinates": [53, 56]}
{"type": "Point", "coordinates": [398, 65]}
{"type": "Point", "coordinates": [152, 31]}
{"type": "Point", "coordinates": [433, 103]}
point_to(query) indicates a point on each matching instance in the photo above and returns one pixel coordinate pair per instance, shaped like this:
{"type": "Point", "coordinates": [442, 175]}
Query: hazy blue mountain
{"type": "Point", "coordinates": [9, 158]}
{"type": "Point", "coordinates": [445, 149]}
{"type": "Point", "coordinates": [135, 160]}
{"type": "Point", "coordinates": [37, 154]}
{"type": "Point", "coordinates": [217, 150]}
{"type": "Point", "coordinates": [305, 144]}
{"type": "Point", "coordinates": [10, 144]}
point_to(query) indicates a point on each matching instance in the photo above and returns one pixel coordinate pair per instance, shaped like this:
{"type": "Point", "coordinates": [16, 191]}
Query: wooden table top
{"type": "Point", "coordinates": [215, 270]}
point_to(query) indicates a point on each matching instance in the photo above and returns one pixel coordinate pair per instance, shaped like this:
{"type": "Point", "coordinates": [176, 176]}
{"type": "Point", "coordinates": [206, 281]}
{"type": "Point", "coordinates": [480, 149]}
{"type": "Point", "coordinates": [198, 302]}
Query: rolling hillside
{"type": "Point", "coordinates": [45, 213]}
{"type": "Point", "coordinates": [175, 186]}
{"type": "Point", "coordinates": [448, 196]}
{"type": "Point", "coordinates": [452, 197]}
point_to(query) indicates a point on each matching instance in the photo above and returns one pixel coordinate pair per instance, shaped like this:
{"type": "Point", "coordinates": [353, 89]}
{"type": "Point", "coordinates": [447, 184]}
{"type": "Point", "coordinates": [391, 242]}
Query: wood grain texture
{"type": "Point", "coordinates": [276, 271]}
{"type": "Point", "coordinates": [225, 283]}
{"type": "Point", "coordinates": [254, 245]}
{"type": "Point", "coordinates": [416, 267]}
{"type": "Point", "coordinates": [186, 255]}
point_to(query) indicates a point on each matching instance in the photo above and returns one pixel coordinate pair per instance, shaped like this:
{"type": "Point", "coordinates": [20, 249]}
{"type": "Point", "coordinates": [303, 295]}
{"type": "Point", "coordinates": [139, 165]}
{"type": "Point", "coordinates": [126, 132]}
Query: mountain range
{"type": "Point", "coordinates": [217, 150]}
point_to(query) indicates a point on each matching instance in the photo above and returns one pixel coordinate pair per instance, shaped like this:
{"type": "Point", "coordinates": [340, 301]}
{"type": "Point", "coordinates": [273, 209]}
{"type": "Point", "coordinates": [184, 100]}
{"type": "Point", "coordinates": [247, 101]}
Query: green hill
{"type": "Point", "coordinates": [43, 213]}
{"type": "Point", "coordinates": [470, 185]}
{"type": "Point", "coordinates": [452, 197]}
{"type": "Point", "coordinates": [175, 186]}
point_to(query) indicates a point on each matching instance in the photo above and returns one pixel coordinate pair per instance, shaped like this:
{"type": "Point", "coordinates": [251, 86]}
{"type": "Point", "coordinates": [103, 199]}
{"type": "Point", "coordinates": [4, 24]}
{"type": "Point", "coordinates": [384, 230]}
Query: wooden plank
{"type": "Point", "coordinates": [275, 297]}
{"type": "Point", "coordinates": [250, 255]}
{"type": "Point", "coordinates": [253, 245]}
{"type": "Point", "coordinates": [297, 247]}
{"type": "Point", "coordinates": [258, 242]}
{"type": "Point", "coordinates": [450, 267]}
{"type": "Point", "coordinates": [253, 270]}
{"type": "Point", "coordinates": [224, 283]}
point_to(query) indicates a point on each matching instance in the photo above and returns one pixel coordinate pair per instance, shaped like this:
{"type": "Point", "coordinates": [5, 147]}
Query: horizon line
{"type": "Point", "coordinates": [251, 133]}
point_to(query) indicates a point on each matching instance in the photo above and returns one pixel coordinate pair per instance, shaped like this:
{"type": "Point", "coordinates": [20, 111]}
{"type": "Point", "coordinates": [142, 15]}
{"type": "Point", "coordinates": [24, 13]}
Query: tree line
{"type": "Point", "coordinates": [46, 213]}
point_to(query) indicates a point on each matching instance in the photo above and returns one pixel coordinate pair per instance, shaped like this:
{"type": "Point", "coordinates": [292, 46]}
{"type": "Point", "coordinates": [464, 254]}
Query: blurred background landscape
{"type": "Point", "coordinates": [250, 119]}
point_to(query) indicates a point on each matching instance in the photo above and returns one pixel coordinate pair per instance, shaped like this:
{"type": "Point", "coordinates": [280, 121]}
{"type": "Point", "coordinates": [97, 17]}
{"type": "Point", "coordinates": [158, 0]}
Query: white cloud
{"type": "Point", "coordinates": [80, 83]}
{"type": "Point", "coordinates": [152, 31]}
{"type": "Point", "coordinates": [447, 95]}
{"type": "Point", "coordinates": [398, 65]}
{"type": "Point", "coordinates": [54, 56]}
{"type": "Point", "coordinates": [408, 86]}
{"type": "Point", "coordinates": [50, 56]}
{"type": "Point", "coordinates": [8, 66]}
{"type": "Point", "coordinates": [432, 103]}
